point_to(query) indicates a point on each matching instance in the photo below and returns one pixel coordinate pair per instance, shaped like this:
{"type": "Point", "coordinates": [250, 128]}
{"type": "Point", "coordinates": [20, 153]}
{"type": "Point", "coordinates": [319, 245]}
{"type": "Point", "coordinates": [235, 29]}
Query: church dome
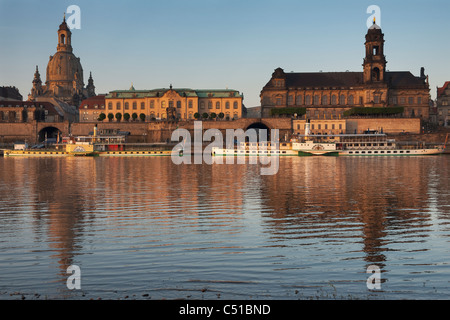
{"type": "Point", "coordinates": [64, 66]}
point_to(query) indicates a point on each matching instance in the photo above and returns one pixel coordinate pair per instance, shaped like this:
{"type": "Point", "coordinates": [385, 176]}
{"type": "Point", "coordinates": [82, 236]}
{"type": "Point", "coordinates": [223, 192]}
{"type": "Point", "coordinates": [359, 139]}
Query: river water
{"type": "Point", "coordinates": [145, 228]}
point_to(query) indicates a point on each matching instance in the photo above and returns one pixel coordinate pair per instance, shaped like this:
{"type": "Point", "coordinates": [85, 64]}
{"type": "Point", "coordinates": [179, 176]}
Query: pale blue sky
{"type": "Point", "coordinates": [217, 44]}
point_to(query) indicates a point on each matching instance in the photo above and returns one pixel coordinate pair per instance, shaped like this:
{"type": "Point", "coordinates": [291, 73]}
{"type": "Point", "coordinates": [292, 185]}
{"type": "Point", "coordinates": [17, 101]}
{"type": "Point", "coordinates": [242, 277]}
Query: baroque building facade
{"type": "Point", "coordinates": [163, 104]}
{"type": "Point", "coordinates": [443, 104]}
{"type": "Point", "coordinates": [64, 74]}
{"type": "Point", "coordinates": [330, 94]}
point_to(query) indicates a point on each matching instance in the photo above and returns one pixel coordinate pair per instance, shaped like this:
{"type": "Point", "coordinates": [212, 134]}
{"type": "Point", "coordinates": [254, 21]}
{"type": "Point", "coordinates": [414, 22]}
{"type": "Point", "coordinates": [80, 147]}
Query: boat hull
{"type": "Point", "coordinates": [254, 153]}
{"type": "Point", "coordinates": [394, 152]}
{"type": "Point", "coordinates": [20, 153]}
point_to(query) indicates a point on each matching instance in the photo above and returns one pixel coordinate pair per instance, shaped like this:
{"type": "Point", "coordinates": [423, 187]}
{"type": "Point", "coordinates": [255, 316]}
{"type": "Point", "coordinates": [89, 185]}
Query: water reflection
{"type": "Point", "coordinates": [318, 218]}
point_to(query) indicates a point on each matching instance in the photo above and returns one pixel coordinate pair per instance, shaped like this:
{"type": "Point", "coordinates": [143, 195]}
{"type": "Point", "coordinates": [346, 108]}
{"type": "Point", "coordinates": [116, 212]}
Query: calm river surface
{"type": "Point", "coordinates": [145, 228]}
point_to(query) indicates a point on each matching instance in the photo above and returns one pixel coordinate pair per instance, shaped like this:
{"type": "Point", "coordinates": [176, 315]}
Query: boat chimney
{"type": "Point", "coordinates": [307, 127]}
{"type": "Point", "coordinates": [95, 134]}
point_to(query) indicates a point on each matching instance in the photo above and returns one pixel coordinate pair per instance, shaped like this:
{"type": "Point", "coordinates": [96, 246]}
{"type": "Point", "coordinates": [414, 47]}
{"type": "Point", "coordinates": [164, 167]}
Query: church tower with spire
{"type": "Point", "coordinates": [90, 86]}
{"type": "Point", "coordinates": [374, 69]}
{"type": "Point", "coordinates": [375, 60]}
{"type": "Point", "coordinates": [64, 76]}
{"type": "Point", "coordinates": [36, 90]}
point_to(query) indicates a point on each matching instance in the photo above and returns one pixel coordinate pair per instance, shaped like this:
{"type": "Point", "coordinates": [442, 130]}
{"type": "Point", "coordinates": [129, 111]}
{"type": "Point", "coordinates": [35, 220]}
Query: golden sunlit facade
{"type": "Point", "coordinates": [171, 104]}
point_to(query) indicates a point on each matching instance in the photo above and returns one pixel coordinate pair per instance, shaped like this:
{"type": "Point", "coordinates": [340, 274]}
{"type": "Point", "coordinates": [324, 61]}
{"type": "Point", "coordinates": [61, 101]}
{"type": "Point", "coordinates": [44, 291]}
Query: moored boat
{"type": "Point", "coordinates": [257, 149]}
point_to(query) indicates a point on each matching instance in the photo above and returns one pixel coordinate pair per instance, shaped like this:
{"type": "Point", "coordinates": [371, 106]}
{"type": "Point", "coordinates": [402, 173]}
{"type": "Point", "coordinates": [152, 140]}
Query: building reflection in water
{"type": "Point", "coordinates": [369, 203]}
{"type": "Point", "coordinates": [333, 199]}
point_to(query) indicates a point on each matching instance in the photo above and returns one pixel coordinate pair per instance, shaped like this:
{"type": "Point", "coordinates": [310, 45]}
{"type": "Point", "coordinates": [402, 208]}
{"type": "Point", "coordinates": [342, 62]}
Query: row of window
{"type": "Point", "coordinates": [227, 105]}
{"type": "Point", "coordinates": [388, 152]}
{"type": "Point", "coordinates": [85, 115]}
{"type": "Point", "coordinates": [402, 100]}
{"type": "Point", "coordinates": [324, 100]}
{"type": "Point", "coordinates": [325, 126]}
{"type": "Point", "coordinates": [307, 100]}
{"type": "Point", "coordinates": [171, 104]}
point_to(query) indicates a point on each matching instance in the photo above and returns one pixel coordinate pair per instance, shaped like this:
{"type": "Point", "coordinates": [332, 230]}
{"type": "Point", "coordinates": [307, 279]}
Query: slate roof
{"type": "Point", "coordinates": [324, 79]}
{"type": "Point", "coordinates": [394, 79]}
{"type": "Point", "coordinates": [404, 79]}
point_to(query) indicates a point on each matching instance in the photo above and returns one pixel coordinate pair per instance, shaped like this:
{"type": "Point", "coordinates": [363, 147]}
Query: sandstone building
{"type": "Point", "coordinates": [443, 104]}
{"type": "Point", "coordinates": [163, 104]}
{"type": "Point", "coordinates": [64, 84]}
{"type": "Point", "coordinates": [330, 94]}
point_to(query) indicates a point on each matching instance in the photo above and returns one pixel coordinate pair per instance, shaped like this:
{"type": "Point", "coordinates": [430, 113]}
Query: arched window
{"type": "Point", "coordinates": [127, 106]}
{"type": "Point", "coordinates": [202, 105]}
{"type": "Point", "coordinates": [109, 105]}
{"type": "Point", "coordinates": [299, 100]}
{"type": "Point", "coordinates": [63, 38]}
{"type": "Point", "coordinates": [278, 100]}
{"type": "Point", "coordinates": [290, 100]}
{"type": "Point", "coordinates": [308, 100]}
{"type": "Point", "coordinates": [118, 106]}
{"type": "Point", "coordinates": [227, 105]}
{"type": "Point", "coordinates": [179, 104]}
{"type": "Point", "coordinates": [351, 100]}
{"type": "Point", "coordinates": [324, 100]}
{"type": "Point", "coordinates": [316, 100]}
{"type": "Point", "coordinates": [142, 105]}
{"type": "Point", "coordinates": [342, 99]}
{"type": "Point", "coordinates": [209, 105]}
{"type": "Point", "coordinates": [333, 100]}
{"type": "Point", "coordinates": [134, 105]}
{"type": "Point", "coordinates": [217, 105]}
{"type": "Point", "coordinates": [235, 105]}
{"type": "Point", "coordinates": [376, 74]}
{"type": "Point", "coordinates": [190, 104]}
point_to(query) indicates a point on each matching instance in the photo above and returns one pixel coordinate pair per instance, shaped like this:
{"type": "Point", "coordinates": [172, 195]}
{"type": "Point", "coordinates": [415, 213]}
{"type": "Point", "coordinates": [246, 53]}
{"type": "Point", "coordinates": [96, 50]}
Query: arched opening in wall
{"type": "Point", "coordinates": [12, 115]}
{"type": "Point", "coordinates": [24, 116]}
{"type": "Point", "coordinates": [49, 135]}
{"type": "Point", "coordinates": [63, 39]}
{"type": "Point", "coordinates": [376, 74]}
{"type": "Point", "coordinates": [262, 131]}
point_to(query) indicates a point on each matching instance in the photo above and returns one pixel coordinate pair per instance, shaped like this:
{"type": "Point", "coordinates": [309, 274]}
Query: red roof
{"type": "Point", "coordinates": [95, 102]}
{"type": "Point", "coordinates": [440, 91]}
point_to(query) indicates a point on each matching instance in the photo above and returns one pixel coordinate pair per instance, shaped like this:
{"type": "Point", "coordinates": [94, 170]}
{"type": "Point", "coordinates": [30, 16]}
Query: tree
{"type": "Point", "coordinates": [142, 116]}
{"type": "Point", "coordinates": [196, 115]}
{"type": "Point", "coordinates": [205, 115]}
{"type": "Point", "coordinates": [288, 111]}
{"type": "Point", "coordinates": [134, 116]}
{"type": "Point", "coordinates": [213, 115]}
{"type": "Point", "coordinates": [118, 116]}
{"type": "Point", "coordinates": [221, 115]}
{"type": "Point", "coordinates": [101, 117]}
{"type": "Point", "coordinates": [126, 116]}
{"type": "Point", "coordinates": [110, 116]}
